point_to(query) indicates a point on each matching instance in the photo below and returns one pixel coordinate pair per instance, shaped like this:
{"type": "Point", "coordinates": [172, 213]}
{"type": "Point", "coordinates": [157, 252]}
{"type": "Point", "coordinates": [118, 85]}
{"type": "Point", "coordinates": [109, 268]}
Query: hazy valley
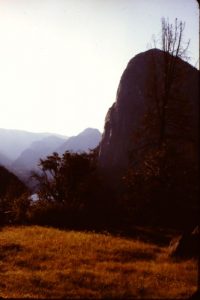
{"type": "Point", "coordinates": [21, 151]}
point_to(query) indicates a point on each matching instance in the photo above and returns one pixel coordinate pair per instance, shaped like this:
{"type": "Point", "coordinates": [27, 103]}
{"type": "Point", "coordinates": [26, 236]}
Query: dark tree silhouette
{"type": "Point", "coordinates": [73, 193]}
{"type": "Point", "coordinates": [63, 179]}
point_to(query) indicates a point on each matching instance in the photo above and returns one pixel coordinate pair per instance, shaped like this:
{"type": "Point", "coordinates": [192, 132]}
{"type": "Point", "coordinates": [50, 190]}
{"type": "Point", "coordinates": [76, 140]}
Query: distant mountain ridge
{"type": "Point", "coordinates": [83, 142]}
{"type": "Point", "coordinates": [22, 150]}
{"type": "Point", "coordinates": [29, 158]}
{"type": "Point", "coordinates": [14, 142]}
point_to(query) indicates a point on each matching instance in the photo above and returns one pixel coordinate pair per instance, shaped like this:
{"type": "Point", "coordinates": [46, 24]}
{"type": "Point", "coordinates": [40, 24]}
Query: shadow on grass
{"type": "Point", "coordinates": [126, 256]}
{"type": "Point", "coordinates": [153, 235]}
{"type": "Point", "coordinates": [130, 256]}
{"type": "Point", "coordinates": [158, 236]}
{"type": "Point", "coordinates": [9, 249]}
{"type": "Point", "coordinates": [35, 263]}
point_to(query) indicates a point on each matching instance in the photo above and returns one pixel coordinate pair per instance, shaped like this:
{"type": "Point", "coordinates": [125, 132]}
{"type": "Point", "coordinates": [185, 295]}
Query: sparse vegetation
{"type": "Point", "coordinates": [41, 262]}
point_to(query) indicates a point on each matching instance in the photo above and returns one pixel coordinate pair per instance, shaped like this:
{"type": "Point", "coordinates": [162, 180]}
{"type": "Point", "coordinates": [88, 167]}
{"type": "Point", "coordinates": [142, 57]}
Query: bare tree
{"type": "Point", "coordinates": [166, 109]}
{"type": "Point", "coordinates": [172, 38]}
{"type": "Point", "coordinates": [173, 44]}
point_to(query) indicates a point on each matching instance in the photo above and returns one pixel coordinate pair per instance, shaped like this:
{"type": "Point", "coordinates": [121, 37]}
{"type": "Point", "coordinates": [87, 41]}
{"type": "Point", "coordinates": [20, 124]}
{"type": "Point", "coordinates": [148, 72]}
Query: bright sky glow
{"type": "Point", "coordinates": [61, 60]}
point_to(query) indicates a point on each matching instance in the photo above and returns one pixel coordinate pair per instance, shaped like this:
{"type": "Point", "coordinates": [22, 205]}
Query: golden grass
{"type": "Point", "coordinates": [41, 262]}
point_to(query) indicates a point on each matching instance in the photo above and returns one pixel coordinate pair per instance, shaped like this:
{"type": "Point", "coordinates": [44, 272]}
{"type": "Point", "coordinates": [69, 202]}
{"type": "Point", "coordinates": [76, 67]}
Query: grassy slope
{"type": "Point", "coordinates": [45, 262]}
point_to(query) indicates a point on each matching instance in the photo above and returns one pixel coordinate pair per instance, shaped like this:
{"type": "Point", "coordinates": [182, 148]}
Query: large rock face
{"type": "Point", "coordinates": [141, 82]}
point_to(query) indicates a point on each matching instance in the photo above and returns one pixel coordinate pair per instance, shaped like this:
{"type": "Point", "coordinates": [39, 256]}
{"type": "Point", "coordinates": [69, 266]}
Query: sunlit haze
{"type": "Point", "coordinates": [61, 60]}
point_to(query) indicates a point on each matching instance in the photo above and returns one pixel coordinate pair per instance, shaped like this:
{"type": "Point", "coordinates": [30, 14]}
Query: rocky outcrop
{"type": "Point", "coordinates": [186, 246]}
{"type": "Point", "coordinates": [143, 81]}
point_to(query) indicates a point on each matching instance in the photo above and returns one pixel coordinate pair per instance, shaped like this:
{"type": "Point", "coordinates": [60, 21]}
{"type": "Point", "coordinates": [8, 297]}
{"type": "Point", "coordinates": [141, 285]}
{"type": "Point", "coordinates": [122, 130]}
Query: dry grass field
{"type": "Point", "coordinates": [41, 262]}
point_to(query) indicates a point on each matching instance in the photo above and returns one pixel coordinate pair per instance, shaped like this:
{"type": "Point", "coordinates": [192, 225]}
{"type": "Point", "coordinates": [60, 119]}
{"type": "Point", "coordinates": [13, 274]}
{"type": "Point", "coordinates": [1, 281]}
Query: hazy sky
{"type": "Point", "coordinates": [61, 60]}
